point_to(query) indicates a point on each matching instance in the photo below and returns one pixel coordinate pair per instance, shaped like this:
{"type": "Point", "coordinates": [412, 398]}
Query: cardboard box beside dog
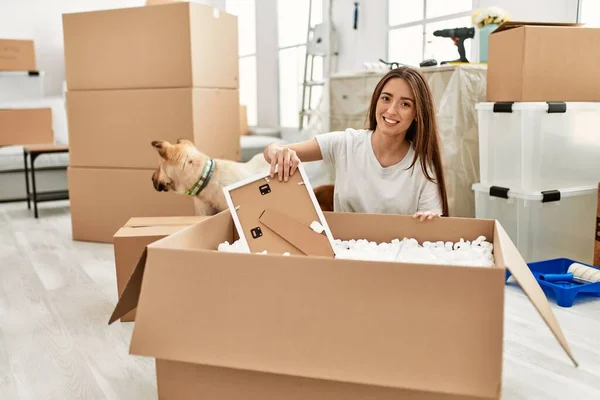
{"type": "Point", "coordinates": [250, 326]}
{"type": "Point", "coordinates": [130, 241]}
{"type": "Point", "coordinates": [104, 199]}
{"type": "Point", "coordinates": [114, 128]}
{"type": "Point", "coordinates": [531, 61]}
{"type": "Point", "coordinates": [164, 46]}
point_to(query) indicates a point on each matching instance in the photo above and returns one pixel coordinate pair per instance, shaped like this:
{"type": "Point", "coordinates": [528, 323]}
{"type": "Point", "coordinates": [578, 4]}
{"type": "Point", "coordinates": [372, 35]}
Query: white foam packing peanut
{"type": "Point", "coordinates": [317, 227]}
{"type": "Point", "coordinates": [477, 253]}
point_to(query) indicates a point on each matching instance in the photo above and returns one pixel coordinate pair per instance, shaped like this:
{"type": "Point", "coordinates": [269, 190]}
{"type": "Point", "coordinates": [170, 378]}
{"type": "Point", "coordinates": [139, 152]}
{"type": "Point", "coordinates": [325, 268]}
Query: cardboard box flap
{"type": "Point", "coordinates": [310, 242]}
{"type": "Point", "coordinates": [130, 297]}
{"type": "Point", "coordinates": [293, 201]}
{"type": "Point", "coordinates": [518, 268]}
{"type": "Point", "coordinates": [517, 24]}
{"type": "Point", "coordinates": [164, 221]}
{"type": "Point", "coordinates": [145, 231]}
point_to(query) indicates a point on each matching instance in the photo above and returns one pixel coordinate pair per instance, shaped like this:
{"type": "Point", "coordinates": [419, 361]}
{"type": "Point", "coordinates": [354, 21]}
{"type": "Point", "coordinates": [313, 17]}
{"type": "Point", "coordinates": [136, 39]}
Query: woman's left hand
{"type": "Point", "coordinates": [425, 216]}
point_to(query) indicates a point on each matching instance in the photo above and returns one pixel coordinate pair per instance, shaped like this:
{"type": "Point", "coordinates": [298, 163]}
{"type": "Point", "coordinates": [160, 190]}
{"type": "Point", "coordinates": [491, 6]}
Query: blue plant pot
{"type": "Point", "coordinates": [484, 34]}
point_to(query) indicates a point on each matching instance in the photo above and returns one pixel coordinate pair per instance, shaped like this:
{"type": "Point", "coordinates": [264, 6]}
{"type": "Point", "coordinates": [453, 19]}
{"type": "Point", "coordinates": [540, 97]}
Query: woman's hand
{"type": "Point", "coordinates": [284, 159]}
{"type": "Point", "coordinates": [426, 216]}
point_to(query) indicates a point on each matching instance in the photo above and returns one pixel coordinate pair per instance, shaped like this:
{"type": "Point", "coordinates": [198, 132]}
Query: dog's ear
{"type": "Point", "coordinates": [184, 141]}
{"type": "Point", "coordinates": [162, 146]}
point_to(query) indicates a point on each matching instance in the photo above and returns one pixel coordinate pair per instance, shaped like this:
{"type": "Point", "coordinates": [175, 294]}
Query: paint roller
{"type": "Point", "coordinates": [576, 272]}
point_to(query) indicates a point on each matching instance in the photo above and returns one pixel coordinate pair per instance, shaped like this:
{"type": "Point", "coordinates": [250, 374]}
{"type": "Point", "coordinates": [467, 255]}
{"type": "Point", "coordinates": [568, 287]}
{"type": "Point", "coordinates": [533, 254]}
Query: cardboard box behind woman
{"type": "Point", "coordinates": [543, 62]}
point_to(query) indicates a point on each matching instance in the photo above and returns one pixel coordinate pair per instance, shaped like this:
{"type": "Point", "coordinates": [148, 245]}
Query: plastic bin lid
{"type": "Point", "coordinates": [541, 105]}
{"type": "Point", "coordinates": [537, 195]}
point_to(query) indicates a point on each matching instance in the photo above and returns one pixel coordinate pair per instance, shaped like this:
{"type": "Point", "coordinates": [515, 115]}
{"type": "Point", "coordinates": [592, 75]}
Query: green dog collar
{"type": "Point", "coordinates": [201, 183]}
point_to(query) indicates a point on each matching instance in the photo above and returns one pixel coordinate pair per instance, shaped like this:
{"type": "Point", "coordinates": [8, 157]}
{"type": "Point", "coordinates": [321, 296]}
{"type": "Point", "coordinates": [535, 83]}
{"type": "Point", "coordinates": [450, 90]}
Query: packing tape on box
{"type": "Point", "coordinates": [584, 273]}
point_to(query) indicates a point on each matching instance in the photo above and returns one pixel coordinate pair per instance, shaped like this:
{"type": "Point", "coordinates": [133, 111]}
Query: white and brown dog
{"type": "Point", "coordinates": [185, 170]}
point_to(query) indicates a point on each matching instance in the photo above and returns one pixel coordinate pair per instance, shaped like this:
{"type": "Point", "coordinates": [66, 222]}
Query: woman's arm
{"type": "Point", "coordinates": [287, 157]}
{"type": "Point", "coordinates": [430, 202]}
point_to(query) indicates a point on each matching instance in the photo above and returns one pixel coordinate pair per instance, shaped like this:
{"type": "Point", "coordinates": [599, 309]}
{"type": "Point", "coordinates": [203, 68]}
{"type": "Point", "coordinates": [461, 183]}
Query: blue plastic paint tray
{"type": "Point", "coordinates": [564, 291]}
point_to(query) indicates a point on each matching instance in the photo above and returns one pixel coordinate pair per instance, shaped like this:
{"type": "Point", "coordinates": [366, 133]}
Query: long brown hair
{"type": "Point", "coordinates": [423, 132]}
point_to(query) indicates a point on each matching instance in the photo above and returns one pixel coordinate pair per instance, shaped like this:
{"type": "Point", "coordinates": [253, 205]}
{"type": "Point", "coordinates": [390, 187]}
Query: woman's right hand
{"type": "Point", "coordinates": [284, 159]}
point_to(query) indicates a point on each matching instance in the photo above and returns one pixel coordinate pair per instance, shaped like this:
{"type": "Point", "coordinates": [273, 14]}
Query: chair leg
{"type": "Point", "coordinates": [27, 180]}
{"type": "Point", "coordinates": [35, 205]}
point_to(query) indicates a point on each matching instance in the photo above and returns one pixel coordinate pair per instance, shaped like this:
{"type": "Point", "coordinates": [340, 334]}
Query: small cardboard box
{"type": "Point", "coordinates": [172, 45]}
{"type": "Point", "coordinates": [17, 55]}
{"type": "Point", "coordinates": [21, 126]}
{"type": "Point", "coordinates": [131, 240]}
{"type": "Point", "coordinates": [543, 62]}
{"type": "Point", "coordinates": [267, 326]}
{"type": "Point", "coordinates": [104, 199]}
{"type": "Point", "coordinates": [114, 128]}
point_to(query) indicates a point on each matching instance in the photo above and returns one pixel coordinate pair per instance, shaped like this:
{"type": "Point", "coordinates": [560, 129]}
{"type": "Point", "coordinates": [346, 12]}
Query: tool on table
{"type": "Point", "coordinates": [430, 62]}
{"type": "Point", "coordinates": [458, 35]}
{"type": "Point", "coordinates": [392, 64]}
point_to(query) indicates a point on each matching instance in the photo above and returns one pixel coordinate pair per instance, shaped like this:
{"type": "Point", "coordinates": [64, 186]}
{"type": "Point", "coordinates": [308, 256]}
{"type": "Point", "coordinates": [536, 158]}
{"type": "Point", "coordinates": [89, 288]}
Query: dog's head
{"type": "Point", "coordinates": [179, 166]}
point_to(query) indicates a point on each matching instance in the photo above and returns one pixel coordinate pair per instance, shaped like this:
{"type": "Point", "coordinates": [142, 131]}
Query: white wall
{"type": "Point", "coordinates": [369, 42]}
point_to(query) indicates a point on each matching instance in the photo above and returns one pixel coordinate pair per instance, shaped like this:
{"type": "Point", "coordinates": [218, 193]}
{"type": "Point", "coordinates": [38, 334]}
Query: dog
{"type": "Point", "coordinates": [181, 166]}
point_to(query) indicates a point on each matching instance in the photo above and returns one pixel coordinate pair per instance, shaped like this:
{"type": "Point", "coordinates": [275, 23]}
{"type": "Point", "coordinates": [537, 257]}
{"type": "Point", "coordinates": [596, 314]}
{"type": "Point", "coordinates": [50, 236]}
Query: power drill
{"type": "Point", "coordinates": [458, 35]}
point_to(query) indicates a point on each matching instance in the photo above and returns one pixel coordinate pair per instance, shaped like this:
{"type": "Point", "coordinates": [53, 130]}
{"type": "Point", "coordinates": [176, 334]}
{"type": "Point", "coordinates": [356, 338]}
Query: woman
{"type": "Point", "coordinates": [394, 167]}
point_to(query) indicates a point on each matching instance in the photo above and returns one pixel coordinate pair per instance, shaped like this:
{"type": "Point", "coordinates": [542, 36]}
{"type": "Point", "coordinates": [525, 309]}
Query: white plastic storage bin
{"type": "Point", "coordinates": [555, 224]}
{"type": "Point", "coordinates": [539, 146]}
{"type": "Point", "coordinates": [21, 85]}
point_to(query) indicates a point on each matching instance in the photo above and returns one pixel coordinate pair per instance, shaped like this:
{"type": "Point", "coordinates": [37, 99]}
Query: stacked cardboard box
{"type": "Point", "coordinates": [21, 126]}
{"type": "Point", "coordinates": [539, 61]}
{"type": "Point", "coordinates": [160, 72]}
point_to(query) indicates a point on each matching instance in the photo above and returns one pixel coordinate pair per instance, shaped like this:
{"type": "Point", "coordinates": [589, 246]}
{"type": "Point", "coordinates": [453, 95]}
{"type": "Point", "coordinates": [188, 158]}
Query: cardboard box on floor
{"type": "Point", "coordinates": [530, 61]}
{"type": "Point", "coordinates": [268, 326]}
{"type": "Point", "coordinates": [131, 240]}
{"type": "Point", "coordinates": [172, 45]}
{"type": "Point", "coordinates": [104, 199]}
{"type": "Point", "coordinates": [26, 126]}
{"type": "Point", "coordinates": [115, 128]}
{"type": "Point", "coordinates": [17, 55]}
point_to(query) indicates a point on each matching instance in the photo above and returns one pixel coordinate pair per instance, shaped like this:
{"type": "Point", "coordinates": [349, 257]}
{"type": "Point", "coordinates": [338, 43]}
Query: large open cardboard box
{"type": "Point", "coordinates": [531, 61]}
{"type": "Point", "coordinates": [182, 44]}
{"type": "Point", "coordinates": [114, 128]}
{"type": "Point", "coordinates": [256, 327]}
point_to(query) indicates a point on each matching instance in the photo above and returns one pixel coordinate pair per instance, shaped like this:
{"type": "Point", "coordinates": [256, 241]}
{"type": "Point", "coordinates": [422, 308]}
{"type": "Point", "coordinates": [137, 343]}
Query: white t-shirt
{"type": "Point", "coordinates": [363, 185]}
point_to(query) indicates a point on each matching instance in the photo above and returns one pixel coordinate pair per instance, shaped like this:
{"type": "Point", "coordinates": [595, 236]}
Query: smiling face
{"type": "Point", "coordinates": [395, 109]}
